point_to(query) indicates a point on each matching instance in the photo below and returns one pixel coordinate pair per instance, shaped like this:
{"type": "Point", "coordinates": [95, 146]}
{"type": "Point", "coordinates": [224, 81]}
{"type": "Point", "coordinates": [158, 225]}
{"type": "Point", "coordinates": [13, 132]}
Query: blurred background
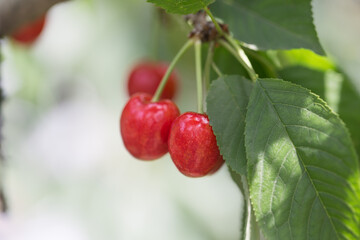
{"type": "Point", "coordinates": [68, 175]}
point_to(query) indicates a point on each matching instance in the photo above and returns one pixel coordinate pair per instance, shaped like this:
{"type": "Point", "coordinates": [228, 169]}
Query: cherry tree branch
{"type": "Point", "coordinates": [15, 13]}
{"type": "Point", "coordinates": [3, 204]}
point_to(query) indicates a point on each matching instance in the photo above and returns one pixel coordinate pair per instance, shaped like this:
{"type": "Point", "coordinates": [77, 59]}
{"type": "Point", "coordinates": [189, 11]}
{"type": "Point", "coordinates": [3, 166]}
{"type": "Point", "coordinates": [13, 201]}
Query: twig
{"type": "Point", "coordinates": [3, 204]}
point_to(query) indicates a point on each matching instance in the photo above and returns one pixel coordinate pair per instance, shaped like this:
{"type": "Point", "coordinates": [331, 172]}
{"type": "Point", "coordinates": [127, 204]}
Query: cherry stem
{"type": "Point", "coordinates": [270, 69]}
{"type": "Point", "coordinates": [247, 64]}
{"type": "Point", "coordinates": [216, 69]}
{"type": "Point", "coordinates": [250, 228]}
{"type": "Point", "coordinates": [198, 75]}
{"type": "Point", "coordinates": [217, 26]}
{"type": "Point", "coordinates": [234, 47]}
{"type": "Point", "coordinates": [163, 82]}
{"type": "Point", "coordinates": [208, 62]}
{"type": "Point", "coordinates": [240, 55]}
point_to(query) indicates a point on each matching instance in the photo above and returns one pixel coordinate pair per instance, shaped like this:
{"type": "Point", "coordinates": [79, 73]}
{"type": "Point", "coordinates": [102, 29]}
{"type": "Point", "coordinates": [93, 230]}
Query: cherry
{"type": "Point", "coordinates": [28, 33]}
{"type": "Point", "coordinates": [145, 77]}
{"type": "Point", "coordinates": [145, 126]}
{"type": "Point", "coordinates": [192, 145]}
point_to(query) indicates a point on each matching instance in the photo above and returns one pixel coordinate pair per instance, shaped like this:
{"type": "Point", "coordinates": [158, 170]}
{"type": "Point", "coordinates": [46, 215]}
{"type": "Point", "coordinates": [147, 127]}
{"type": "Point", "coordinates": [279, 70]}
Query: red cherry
{"type": "Point", "coordinates": [28, 33]}
{"type": "Point", "coordinates": [145, 77]}
{"type": "Point", "coordinates": [192, 145]}
{"type": "Point", "coordinates": [145, 126]}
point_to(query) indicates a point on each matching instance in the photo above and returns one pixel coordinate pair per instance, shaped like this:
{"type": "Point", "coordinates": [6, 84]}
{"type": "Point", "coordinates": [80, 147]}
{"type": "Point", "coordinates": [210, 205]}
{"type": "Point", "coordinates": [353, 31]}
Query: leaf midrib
{"type": "Point", "coordinates": [299, 157]}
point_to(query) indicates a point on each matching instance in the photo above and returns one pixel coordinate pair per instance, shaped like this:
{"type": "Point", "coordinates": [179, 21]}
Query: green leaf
{"type": "Point", "coordinates": [305, 58]}
{"type": "Point", "coordinates": [181, 6]}
{"type": "Point", "coordinates": [313, 80]}
{"type": "Point", "coordinates": [228, 64]}
{"type": "Point", "coordinates": [270, 24]}
{"type": "Point", "coordinates": [226, 107]}
{"type": "Point", "coordinates": [237, 179]}
{"type": "Point", "coordinates": [349, 111]}
{"type": "Point", "coordinates": [303, 172]}
{"type": "Point", "coordinates": [335, 89]}
{"type": "Point", "coordinates": [343, 44]}
{"type": "Point", "coordinates": [262, 63]}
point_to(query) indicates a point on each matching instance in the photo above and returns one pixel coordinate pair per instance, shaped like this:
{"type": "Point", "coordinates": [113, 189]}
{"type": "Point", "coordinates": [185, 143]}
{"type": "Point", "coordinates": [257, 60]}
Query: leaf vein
{"type": "Point", "coordinates": [299, 157]}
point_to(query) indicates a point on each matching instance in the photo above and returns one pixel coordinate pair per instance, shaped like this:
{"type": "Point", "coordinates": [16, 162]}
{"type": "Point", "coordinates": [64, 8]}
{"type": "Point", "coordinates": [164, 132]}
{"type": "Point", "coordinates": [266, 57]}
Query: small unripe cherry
{"type": "Point", "coordinates": [145, 126]}
{"type": "Point", "coordinates": [192, 145]}
{"type": "Point", "coordinates": [146, 77]}
{"type": "Point", "coordinates": [28, 33]}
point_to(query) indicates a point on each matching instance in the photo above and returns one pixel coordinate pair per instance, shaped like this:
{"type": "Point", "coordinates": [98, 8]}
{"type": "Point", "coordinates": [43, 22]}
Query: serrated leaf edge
{"type": "Point", "coordinates": [305, 170]}
{"type": "Point", "coordinates": [202, 3]}
{"type": "Point", "coordinates": [313, 23]}
{"type": "Point", "coordinates": [228, 164]}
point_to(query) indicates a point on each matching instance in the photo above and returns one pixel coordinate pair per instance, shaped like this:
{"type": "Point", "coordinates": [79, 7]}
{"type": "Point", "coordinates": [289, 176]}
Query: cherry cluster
{"type": "Point", "coordinates": [150, 129]}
